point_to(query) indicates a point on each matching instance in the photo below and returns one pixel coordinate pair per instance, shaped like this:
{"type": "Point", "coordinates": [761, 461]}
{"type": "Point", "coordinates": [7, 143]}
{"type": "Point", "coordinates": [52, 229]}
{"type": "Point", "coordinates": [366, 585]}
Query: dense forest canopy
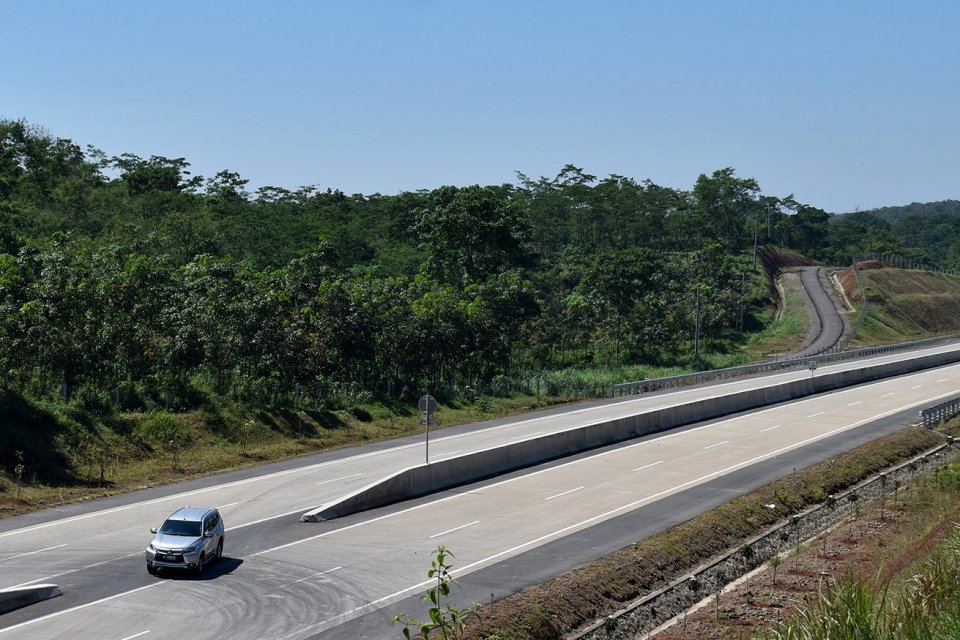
{"type": "Point", "coordinates": [922, 209]}
{"type": "Point", "coordinates": [122, 272]}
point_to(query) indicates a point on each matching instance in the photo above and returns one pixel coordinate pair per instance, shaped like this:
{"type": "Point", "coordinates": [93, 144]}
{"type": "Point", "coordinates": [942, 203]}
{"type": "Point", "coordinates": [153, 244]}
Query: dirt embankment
{"type": "Point", "coordinates": [904, 303]}
{"type": "Point", "coordinates": [775, 260]}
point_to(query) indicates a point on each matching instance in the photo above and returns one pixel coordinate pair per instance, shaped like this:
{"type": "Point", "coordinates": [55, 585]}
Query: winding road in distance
{"type": "Point", "coordinates": [346, 578]}
{"type": "Point", "coordinates": [826, 323]}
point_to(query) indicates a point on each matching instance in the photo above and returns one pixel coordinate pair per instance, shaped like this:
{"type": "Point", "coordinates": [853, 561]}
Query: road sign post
{"type": "Point", "coordinates": [427, 406]}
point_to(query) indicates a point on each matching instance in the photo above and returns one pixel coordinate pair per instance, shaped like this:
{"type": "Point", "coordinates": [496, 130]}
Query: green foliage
{"type": "Point", "coordinates": [926, 607]}
{"type": "Point", "coordinates": [449, 621]}
{"type": "Point", "coordinates": [129, 282]}
{"type": "Point", "coordinates": [160, 427]}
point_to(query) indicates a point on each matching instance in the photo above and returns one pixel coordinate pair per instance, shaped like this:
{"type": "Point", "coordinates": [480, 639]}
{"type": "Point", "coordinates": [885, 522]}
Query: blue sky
{"type": "Point", "coordinates": [844, 103]}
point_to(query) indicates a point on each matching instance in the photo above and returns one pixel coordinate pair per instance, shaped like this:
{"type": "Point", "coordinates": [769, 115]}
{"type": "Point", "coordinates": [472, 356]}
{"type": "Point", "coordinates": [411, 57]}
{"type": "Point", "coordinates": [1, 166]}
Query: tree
{"type": "Point", "coordinates": [721, 202]}
{"type": "Point", "coordinates": [154, 174]}
{"type": "Point", "coordinates": [227, 187]}
{"type": "Point", "coordinates": [806, 230]}
{"type": "Point", "coordinates": [472, 233]}
{"type": "Point", "coordinates": [775, 562]}
{"type": "Point", "coordinates": [618, 281]}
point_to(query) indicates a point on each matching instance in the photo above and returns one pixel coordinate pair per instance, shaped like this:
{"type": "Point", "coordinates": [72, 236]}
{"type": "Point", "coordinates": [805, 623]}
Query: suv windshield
{"type": "Point", "coordinates": [181, 528]}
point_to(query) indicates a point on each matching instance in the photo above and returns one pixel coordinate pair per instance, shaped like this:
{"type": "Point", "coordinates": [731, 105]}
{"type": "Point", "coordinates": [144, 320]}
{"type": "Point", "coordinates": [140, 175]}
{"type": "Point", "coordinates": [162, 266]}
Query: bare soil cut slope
{"type": "Point", "coordinates": [904, 304]}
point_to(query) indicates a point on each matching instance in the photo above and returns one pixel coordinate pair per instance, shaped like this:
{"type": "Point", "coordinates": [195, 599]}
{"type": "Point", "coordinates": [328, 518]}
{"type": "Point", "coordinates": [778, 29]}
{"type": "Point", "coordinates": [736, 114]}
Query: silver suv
{"type": "Point", "coordinates": [190, 538]}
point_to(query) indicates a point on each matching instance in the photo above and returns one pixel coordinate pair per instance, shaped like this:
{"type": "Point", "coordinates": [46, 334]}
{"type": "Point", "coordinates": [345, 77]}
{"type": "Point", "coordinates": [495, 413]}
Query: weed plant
{"type": "Point", "coordinates": [926, 607]}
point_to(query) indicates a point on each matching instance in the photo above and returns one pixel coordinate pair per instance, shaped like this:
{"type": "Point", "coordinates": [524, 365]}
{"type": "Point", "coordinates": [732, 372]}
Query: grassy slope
{"type": "Point", "coordinates": [904, 304]}
{"type": "Point", "coordinates": [66, 449]}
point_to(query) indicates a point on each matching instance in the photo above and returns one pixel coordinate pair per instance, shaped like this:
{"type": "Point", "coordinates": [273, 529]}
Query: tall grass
{"type": "Point", "coordinates": [925, 607]}
{"type": "Point", "coordinates": [785, 333]}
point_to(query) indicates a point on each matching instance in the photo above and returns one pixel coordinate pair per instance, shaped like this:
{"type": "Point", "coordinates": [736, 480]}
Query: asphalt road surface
{"type": "Point", "coordinates": [346, 578]}
{"type": "Point", "coordinates": [825, 320]}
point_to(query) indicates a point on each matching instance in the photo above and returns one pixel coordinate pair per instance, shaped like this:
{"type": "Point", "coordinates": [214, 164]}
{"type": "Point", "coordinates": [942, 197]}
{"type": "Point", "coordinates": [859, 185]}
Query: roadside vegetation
{"type": "Point", "coordinates": [562, 605]}
{"type": "Point", "coordinates": [157, 326]}
{"type": "Point", "coordinates": [75, 456]}
{"type": "Point", "coordinates": [889, 571]}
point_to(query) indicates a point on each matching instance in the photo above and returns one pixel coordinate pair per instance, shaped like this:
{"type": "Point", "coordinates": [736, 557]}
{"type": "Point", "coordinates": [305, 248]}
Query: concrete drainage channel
{"type": "Point", "coordinates": [662, 606]}
{"type": "Point", "coordinates": [17, 597]}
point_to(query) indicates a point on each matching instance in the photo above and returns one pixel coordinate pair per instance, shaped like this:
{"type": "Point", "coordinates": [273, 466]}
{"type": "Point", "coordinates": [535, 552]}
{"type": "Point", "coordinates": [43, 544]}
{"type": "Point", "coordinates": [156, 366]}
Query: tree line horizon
{"type": "Point", "coordinates": [130, 273]}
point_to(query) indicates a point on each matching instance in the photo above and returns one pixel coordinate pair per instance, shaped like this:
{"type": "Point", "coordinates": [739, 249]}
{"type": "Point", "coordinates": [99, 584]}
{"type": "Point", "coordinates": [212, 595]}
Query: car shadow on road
{"type": "Point", "coordinates": [213, 571]}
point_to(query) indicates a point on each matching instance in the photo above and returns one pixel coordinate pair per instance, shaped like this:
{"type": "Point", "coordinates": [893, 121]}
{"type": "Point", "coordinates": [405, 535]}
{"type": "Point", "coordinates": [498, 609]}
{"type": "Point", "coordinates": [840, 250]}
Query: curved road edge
{"type": "Point", "coordinates": [826, 322]}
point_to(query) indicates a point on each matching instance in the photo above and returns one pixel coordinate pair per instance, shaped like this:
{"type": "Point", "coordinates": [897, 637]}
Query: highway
{"type": "Point", "coordinates": [344, 578]}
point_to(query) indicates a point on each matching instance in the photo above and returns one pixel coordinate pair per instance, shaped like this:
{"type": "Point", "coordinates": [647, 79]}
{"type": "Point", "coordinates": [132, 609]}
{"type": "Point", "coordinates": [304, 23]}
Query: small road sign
{"type": "Point", "coordinates": [427, 404]}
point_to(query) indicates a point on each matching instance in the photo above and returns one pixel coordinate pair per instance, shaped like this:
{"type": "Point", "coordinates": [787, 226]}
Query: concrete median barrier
{"type": "Point", "coordinates": [423, 479]}
{"type": "Point", "coordinates": [17, 597]}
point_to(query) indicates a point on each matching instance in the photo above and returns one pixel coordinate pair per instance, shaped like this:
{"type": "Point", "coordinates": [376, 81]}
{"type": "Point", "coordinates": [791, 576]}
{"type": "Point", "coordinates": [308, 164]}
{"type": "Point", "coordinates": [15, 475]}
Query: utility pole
{"type": "Point", "coordinates": [743, 288]}
{"type": "Point", "coordinates": [756, 232]}
{"type": "Point", "coordinates": [696, 327]}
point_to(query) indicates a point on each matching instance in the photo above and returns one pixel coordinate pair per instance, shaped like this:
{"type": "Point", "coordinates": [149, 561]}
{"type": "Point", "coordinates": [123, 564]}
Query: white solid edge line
{"type": "Point", "coordinates": [594, 457]}
{"type": "Point", "coordinates": [79, 606]}
{"type": "Point", "coordinates": [137, 635]}
{"type": "Point", "coordinates": [678, 392]}
{"type": "Point", "coordinates": [163, 499]}
{"type": "Point", "coordinates": [343, 617]}
{"type": "Point", "coordinates": [580, 524]}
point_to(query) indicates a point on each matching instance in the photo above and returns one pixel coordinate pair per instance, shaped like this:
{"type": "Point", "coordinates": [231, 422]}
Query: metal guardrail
{"type": "Point", "coordinates": [944, 410]}
{"type": "Point", "coordinates": [688, 379]}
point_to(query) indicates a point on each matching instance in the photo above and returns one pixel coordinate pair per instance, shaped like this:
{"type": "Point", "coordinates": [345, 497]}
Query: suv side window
{"type": "Point", "coordinates": [212, 522]}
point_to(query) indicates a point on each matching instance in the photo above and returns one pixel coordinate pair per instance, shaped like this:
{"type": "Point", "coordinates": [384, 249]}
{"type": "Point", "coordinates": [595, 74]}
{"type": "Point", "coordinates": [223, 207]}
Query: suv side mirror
{"type": "Point", "coordinates": [153, 529]}
{"type": "Point", "coordinates": [208, 534]}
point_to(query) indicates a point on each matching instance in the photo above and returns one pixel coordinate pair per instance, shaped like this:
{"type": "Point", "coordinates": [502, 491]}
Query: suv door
{"type": "Point", "coordinates": [209, 525]}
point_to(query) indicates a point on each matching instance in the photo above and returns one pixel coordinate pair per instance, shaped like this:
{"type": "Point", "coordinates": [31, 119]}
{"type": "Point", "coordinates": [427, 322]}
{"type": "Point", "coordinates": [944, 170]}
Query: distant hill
{"type": "Point", "coordinates": [892, 214]}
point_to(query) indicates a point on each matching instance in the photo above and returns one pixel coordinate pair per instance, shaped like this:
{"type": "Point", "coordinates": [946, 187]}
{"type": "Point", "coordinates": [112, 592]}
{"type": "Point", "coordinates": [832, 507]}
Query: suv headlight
{"type": "Point", "coordinates": [194, 547]}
